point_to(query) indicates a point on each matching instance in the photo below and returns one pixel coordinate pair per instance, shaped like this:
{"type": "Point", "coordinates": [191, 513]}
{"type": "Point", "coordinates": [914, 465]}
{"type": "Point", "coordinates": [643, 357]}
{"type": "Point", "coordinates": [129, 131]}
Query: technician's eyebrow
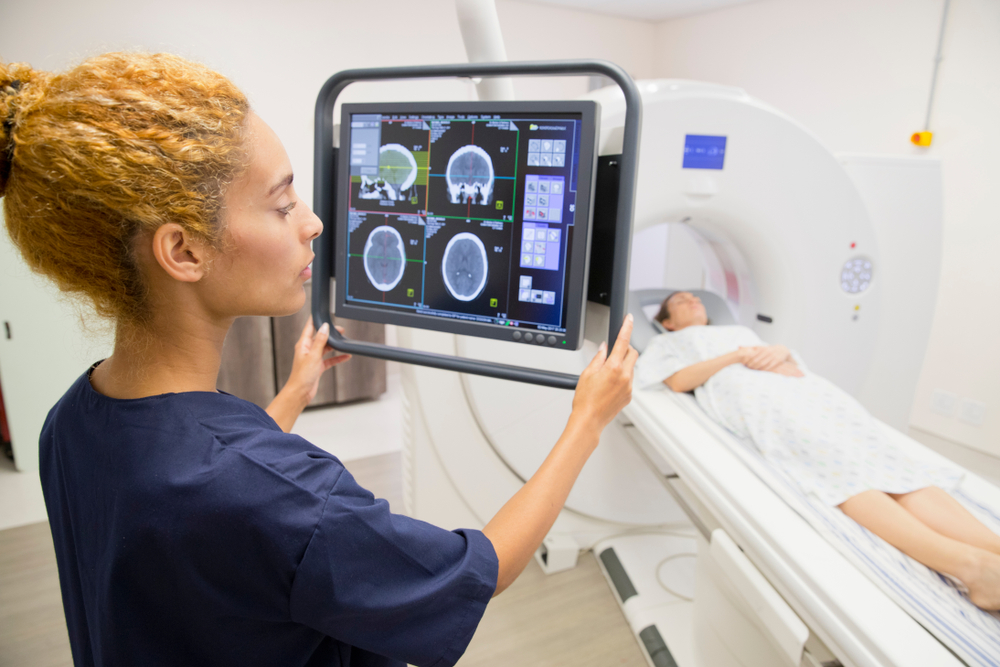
{"type": "Point", "coordinates": [285, 182]}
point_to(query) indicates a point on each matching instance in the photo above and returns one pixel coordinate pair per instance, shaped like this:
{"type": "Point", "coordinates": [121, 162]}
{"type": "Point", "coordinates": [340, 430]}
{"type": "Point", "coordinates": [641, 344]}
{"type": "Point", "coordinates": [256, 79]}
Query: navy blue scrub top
{"type": "Point", "coordinates": [190, 530]}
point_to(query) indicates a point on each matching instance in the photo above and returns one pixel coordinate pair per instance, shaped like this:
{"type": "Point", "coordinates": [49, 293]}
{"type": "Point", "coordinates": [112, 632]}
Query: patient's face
{"type": "Point", "coordinates": [685, 310]}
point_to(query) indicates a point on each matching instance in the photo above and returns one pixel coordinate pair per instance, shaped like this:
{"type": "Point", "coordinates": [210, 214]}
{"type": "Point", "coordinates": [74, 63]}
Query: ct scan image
{"type": "Point", "coordinates": [397, 174]}
{"type": "Point", "coordinates": [472, 169]}
{"type": "Point", "coordinates": [384, 258]}
{"type": "Point", "coordinates": [465, 266]}
{"type": "Point", "coordinates": [470, 176]}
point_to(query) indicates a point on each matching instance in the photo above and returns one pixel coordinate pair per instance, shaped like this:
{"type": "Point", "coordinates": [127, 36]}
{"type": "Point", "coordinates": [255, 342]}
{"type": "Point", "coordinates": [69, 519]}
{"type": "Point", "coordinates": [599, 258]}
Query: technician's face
{"type": "Point", "coordinates": [269, 231]}
{"type": "Point", "coordinates": [685, 310]}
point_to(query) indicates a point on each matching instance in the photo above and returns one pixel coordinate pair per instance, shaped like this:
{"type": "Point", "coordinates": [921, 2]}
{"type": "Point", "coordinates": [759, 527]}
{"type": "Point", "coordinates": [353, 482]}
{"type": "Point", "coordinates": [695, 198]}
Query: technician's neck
{"type": "Point", "coordinates": [168, 357]}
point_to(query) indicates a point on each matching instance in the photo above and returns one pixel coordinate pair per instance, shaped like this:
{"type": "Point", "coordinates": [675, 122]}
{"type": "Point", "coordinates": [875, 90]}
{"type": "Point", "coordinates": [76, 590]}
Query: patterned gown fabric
{"type": "Point", "coordinates": [816, 433]}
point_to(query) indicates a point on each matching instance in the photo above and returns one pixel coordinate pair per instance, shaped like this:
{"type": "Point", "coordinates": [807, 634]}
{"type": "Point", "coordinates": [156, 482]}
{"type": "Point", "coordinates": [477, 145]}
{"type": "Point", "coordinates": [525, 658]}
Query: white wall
{"type": "Point", "coordinates": [280, 53]}
{"type": "Point", "coordinates": [857, 73]}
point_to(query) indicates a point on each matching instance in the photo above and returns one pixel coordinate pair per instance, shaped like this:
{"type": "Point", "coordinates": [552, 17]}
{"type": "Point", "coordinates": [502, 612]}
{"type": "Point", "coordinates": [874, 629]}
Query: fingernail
{"type": "Point", "coordinates": [604, 344]}
{"type": "Point", "coordinates": [629, 317]}
{"type": "Point", "coordinates": [325, 328]}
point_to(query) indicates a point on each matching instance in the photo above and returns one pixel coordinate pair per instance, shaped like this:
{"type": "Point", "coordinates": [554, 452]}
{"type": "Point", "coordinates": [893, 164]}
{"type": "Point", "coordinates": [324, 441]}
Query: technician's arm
{"type": "Point", "coordinates": [519, 527]}
{"type": "Point", "coordinates": [695, 375]}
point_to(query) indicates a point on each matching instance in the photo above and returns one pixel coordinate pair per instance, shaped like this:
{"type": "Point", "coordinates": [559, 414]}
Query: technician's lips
{"type": "Point", "coordinates": [306, 272]}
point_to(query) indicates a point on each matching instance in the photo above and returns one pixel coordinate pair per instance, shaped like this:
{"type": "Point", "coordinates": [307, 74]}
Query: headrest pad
{"type": "Point", "coordinates": [645, 328]}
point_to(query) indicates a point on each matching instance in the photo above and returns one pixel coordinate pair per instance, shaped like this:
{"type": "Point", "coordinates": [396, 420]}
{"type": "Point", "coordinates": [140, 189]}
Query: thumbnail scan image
{"type": "Point", "coordinates": [465, 266]}
{"type": "Point", "coordinates": [384, 258]}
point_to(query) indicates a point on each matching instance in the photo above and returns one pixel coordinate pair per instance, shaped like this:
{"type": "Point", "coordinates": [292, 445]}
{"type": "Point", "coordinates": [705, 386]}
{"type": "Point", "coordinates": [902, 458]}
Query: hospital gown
{"type": "Point", "coordinates": [821, 437]}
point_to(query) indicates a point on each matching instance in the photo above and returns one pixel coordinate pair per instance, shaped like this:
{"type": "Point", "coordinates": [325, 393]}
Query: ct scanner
{"type": "Point", "coordinates": [836, 257]}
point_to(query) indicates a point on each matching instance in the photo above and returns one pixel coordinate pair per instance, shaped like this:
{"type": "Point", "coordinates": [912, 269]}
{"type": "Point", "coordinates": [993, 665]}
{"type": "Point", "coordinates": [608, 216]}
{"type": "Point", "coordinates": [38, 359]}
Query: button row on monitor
{"type": "Point", "coordinates": [537, 339]}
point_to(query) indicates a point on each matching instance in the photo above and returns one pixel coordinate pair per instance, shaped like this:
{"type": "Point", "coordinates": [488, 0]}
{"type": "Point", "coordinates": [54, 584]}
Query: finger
{"type": "Point", "coordinates": [630, 359]}
{"type": "Point", "coordinates": [621, 347]}
{"type": "Point", "coordinates": [307, 331]}
{"type": "Point", "coordinates": [333, 361]}
{"type": "Point", "coordinates": [340, 329]}
{"type": "Point", "coordinates": [598, 360]}
{"type": "Point", "coordinates": [320, 338]}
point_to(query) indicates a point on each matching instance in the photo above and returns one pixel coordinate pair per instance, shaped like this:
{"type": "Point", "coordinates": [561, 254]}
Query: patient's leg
{"type": "Point", "coordinates": [977, 568]}
{"type": "Point", "coordinates": [937, 509]}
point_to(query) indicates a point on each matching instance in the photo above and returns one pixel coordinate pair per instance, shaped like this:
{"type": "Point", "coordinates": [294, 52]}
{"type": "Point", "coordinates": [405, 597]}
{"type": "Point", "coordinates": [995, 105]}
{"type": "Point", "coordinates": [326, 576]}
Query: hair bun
{"type": "Point", "coordinates": [13, 78]}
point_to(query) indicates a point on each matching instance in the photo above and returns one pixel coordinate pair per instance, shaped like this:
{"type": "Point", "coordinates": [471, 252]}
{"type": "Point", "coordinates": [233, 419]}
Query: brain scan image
{"type": "Point", "coordinates": [397, 172]}
{"type": "Point", "coordinates": [464, 266]}
{"type": "Point", "coordinates": [384, 258]}
{"type": "Point", "coordinates": [470, 176]}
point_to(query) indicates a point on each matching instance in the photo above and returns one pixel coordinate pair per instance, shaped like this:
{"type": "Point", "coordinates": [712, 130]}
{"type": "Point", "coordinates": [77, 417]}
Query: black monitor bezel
{"type": "Point", "coordinates": [576, 295]}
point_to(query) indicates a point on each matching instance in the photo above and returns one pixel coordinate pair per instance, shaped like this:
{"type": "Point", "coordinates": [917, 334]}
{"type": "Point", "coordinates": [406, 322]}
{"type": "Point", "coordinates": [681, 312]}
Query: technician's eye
{"type": "Point", "coordinates": [287, 209]}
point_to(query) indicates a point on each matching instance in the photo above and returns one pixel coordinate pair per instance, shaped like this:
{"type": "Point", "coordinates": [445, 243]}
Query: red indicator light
{"type": "Point", "coordinates": [853, 246]}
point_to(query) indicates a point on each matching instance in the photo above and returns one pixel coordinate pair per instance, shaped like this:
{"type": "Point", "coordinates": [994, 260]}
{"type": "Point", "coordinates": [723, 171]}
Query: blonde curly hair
{"type": "Point", "coordinates": [119, 145]}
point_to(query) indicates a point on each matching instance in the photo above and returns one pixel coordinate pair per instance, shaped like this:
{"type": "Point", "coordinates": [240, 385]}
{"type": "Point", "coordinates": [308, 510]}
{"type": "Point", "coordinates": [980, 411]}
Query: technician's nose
{"type": "Point", "coordinates": [313, 227]}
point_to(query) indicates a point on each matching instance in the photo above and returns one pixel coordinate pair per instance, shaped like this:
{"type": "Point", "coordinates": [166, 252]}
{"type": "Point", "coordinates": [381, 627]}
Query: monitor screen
{"type": "Point", "coordinates": [470, 218]}
{"type": "Point", "coordinates": [702, 151]}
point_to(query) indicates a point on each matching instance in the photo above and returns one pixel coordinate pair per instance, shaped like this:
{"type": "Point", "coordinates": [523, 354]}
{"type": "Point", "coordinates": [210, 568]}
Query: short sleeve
{"type": "Point", "coordinates": [659, 361]}
{"type": "Point", "coordinates": [390, 584]}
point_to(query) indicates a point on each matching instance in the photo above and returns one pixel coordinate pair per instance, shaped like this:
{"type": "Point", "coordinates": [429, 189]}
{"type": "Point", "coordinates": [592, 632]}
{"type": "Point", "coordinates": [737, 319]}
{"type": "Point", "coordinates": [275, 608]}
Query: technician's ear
{"type": "Point", "coordinates": [181, 254]}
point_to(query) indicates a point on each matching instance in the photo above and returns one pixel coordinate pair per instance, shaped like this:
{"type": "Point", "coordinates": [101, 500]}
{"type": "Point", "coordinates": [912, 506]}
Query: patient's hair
{"type": "Point", "coordinates": [114, 148]}
{"type": "Point", "coordinates": [664, 312]}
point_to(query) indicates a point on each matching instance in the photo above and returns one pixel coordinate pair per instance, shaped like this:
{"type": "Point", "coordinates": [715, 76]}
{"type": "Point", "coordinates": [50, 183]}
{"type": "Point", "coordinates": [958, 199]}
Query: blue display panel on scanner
{"type": "Point", "coordinates": [702, 151]}
{"type": "Point", "coordinates": [470, 218]}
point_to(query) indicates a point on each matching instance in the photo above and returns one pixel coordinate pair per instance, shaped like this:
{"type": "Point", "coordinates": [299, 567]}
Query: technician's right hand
{"type": "Point", "coordinates": [605, 387]}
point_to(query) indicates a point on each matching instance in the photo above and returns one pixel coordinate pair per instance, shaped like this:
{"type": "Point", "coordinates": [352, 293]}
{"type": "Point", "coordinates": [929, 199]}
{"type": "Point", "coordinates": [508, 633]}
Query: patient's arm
{"type": "Point", "coordinates": [695, 375]}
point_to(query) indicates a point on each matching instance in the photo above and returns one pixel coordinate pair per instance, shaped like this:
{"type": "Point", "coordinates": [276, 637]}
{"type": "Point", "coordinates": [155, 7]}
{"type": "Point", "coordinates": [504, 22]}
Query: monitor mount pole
{"type": "Point", "coordinates": [324, 206]}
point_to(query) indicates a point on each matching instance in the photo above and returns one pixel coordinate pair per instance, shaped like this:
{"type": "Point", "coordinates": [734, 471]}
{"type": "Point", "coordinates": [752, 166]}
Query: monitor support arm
{"type": "Point", "coordinates": [324, 206]}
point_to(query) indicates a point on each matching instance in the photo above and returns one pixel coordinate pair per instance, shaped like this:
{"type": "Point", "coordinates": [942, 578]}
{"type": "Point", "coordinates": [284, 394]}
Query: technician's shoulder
{"type": "Point", "coordinates": [248, 436]}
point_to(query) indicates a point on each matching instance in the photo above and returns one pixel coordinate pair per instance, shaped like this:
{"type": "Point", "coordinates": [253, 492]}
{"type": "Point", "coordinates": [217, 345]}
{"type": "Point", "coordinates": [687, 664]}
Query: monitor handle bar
{"type": "Point", "coordinates": [323, 205]}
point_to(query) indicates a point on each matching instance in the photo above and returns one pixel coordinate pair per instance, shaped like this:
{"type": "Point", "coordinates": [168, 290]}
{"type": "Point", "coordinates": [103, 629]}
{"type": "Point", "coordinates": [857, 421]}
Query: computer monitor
{"type": "Point", "coordinates": [469, 218]}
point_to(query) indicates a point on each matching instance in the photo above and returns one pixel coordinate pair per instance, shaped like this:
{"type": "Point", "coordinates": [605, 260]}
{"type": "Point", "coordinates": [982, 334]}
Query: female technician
{"type": "Point", "coordinates": [190, 527]}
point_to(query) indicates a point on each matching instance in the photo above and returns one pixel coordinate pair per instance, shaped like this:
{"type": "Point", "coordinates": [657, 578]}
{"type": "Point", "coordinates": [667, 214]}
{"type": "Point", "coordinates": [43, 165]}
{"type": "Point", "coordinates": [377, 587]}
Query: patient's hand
{"type": "Point", "coordinates": [790, 369]}
{"type": "Point", "coordinates": [745, 354]}
{"type": "Point", "coordinates": [768, 358]}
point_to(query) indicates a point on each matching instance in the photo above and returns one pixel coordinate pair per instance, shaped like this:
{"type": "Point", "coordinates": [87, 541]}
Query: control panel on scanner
{"type": "Point", "coordinates": [470, 218]}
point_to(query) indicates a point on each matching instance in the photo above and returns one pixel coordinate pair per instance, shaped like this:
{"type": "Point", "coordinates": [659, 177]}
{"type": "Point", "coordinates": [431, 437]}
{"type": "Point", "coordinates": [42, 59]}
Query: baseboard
{"type": "Point", "coordinates": [983, 464]}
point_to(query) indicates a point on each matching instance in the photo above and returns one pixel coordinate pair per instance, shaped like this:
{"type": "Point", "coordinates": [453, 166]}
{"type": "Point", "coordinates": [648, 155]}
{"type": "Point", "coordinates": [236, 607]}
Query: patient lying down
{"type": "Point", "coordinates": [824, 440]}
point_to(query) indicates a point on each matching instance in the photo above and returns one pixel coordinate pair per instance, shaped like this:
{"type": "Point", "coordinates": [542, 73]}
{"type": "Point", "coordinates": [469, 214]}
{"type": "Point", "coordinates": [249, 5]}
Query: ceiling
{"type": "Point", "coordinates": [645, 10]}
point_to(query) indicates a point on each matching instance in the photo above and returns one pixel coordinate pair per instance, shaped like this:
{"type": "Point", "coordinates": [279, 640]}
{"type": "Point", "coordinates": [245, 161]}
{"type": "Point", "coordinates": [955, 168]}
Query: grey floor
{"type": "Point", "coordinates": [570, 618]}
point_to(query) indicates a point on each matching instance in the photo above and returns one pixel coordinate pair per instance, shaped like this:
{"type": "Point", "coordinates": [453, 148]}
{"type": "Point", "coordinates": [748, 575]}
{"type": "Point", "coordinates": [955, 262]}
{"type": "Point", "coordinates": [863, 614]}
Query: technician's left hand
{"type": "Point", "coordinates": [309, 364]}
{"type": "Point", "coordinates": [311, 360]}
